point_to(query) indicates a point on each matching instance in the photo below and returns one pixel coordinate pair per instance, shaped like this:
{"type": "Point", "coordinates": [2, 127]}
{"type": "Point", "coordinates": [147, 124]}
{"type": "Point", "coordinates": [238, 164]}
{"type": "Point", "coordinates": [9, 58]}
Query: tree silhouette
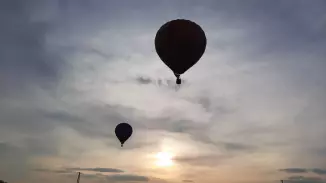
{"type": "Point", "coordinates": [1, 181]}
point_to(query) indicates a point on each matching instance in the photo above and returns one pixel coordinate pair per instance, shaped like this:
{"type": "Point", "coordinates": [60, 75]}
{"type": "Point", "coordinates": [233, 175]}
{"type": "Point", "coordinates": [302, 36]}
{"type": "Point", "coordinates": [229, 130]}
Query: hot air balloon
{"type": "Point", "coordinates": [123, 131]}
{"type": "Point", "coordinates": [180, 44]}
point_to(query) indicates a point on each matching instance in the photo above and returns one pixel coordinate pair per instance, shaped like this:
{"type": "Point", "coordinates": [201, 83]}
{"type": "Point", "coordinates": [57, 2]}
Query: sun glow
{"type": "Point", "coordinates": [164, 159]}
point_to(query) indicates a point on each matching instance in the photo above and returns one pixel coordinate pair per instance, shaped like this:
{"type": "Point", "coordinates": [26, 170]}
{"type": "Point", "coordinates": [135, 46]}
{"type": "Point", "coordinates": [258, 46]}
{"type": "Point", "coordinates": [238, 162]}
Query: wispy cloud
{"type": "Point", "coordinates": [295, 170]}
{"type": "Point", "coordinates": [113, 170]}
{"type": "Point", "coordinates": [70, 71]}
{"type": "Point", "coordinates": [127, 178]}
{"type": "Point", "coordinates": [304, 170]}
{"type": "Point", "coordinates": [319, 171]}
{"type": "Point", "coordinates": [52, 171]}
{"type": "Point", "coordinates": [187, 181]}
{"type": "Point", "coordinates": [305, 179]}
{"type": "Point", "coordinates": [70, 170]}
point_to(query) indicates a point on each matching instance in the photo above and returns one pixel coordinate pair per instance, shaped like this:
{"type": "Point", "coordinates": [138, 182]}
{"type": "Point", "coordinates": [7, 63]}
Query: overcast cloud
{"type": "Point", "coordinates": [252, 110]}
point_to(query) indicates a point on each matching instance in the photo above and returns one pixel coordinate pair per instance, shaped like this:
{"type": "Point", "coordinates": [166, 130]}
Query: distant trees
{"type": "Point", "coordinates": [2, 181]}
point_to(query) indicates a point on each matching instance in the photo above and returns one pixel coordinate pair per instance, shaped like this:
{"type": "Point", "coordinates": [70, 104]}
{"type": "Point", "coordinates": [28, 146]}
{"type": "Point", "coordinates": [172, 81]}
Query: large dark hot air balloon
{"type": "Point", "coordinates": [123, 131]}
{"type": "Point", "coordinates": [180, 44]}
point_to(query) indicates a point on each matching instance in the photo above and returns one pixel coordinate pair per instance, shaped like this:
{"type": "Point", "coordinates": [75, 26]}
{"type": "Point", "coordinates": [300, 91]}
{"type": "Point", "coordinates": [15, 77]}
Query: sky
{"type": "Point", "coordinates": [252, 110]}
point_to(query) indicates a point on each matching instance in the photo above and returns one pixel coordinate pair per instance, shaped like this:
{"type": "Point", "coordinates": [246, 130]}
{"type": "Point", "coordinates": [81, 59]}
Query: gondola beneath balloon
{"type": "Point", "coordinates": [180, 44]}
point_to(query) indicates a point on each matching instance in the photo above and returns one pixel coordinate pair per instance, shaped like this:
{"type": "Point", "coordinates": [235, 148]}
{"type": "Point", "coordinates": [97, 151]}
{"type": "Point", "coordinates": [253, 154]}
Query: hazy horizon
{"type": "Point", "coordinates": [252, 110]}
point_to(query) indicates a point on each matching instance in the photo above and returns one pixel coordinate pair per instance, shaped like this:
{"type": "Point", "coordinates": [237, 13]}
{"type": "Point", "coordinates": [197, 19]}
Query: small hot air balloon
{"type": "Point", "coordinates": [180, 44]}
{"type": "Point", "coordinates": [123, 131]}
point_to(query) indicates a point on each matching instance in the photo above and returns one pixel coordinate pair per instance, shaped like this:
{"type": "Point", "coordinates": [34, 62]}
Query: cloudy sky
{"type": "Point", "coordinates": [252, 110]}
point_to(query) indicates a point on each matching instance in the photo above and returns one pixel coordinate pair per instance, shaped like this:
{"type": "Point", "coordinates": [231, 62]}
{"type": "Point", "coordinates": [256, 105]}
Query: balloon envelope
{"type": "Point", "coordinates": [123, 131]}
{"type": "Point", "coordinates": [180, 44]}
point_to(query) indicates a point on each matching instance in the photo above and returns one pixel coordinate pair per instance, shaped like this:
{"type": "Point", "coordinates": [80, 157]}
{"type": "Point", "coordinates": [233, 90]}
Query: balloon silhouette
{"type": "Point", "coordinates": [180, 44]}
{"type": "Point", "coordinates": [123, 131]}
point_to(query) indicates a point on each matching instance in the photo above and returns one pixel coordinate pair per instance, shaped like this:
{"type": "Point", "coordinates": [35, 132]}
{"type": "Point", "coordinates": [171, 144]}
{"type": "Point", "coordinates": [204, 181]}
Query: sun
{"type": "Point", "coordinates": [164, 159]}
